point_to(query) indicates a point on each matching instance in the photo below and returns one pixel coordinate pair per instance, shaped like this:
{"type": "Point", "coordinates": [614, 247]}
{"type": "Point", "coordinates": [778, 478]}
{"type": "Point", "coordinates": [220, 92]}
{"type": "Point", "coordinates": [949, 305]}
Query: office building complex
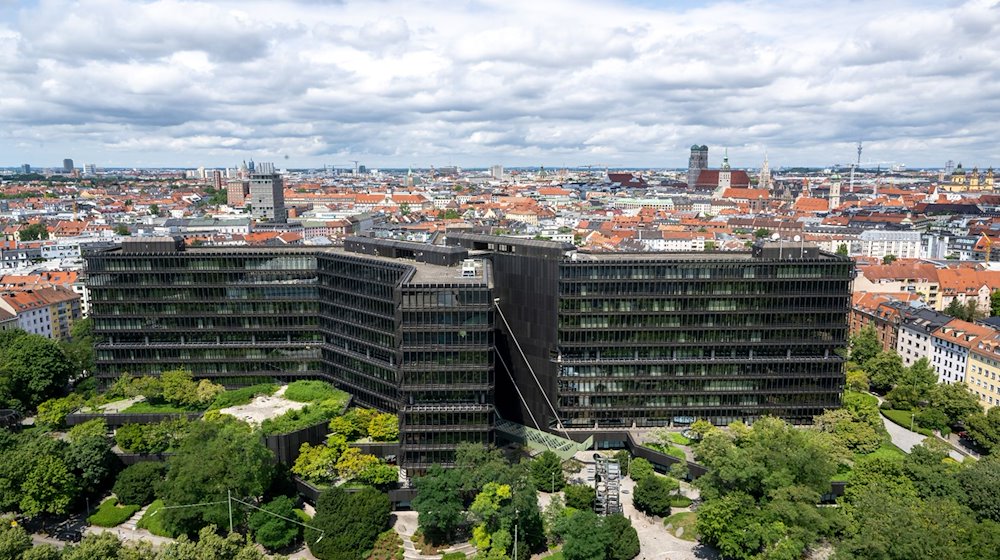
{"type": "Point", "coordinates": [534, 331]}
{"type": "Point", "coordinates": [267, 196]}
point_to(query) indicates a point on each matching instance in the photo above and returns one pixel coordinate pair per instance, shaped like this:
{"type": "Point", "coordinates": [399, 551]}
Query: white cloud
{"type": "Point", "coordinates": [558, 82]}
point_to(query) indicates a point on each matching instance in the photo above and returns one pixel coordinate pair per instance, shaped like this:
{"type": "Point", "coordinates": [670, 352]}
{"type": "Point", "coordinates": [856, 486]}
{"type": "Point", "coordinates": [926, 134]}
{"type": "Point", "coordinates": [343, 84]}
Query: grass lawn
{"type": "Point", "coordinates": [682, 525]}
{"type": "Point", "coordinates": [680, 501]}
{"type": "Point", "coordinates": [867, 398]}
{"type": "Point", "coordinates": [154, 523]}
{"type": "Point", "coordinates": [148, 407]}
{"type": "Point", "coordinates": [667, 449]}
{"type": "Point", "coordinates": [557, 555]}
{"type": "Point", "coordinates": [111, 514]}
{"type": "Point", "coordinates": [679, 439]}
{"type": "Point", "coordinates": [903, 418]}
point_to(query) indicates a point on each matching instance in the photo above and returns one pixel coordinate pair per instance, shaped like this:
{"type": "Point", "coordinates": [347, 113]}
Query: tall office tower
{"type": "Point", "coordinates": [496, 172]}
{"type": "Point", "coordinates": [68, 165]}
{"type": "Point", "coordinates": [949, 167]}
{"type": "Point", "coordinates": [201, 172]}
{"type": "Point", "coordinates": [89, 169]}
{"type": "Point", "coordinates": [697, 162]}
{"type": "Point", "coordinates": [267, 196]}
{"type": "Point", "coordinates": [217, 180]}
{"type": "Point", "coordinates": [26, 168]}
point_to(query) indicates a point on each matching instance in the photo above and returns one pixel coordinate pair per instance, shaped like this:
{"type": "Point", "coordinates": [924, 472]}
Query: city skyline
{"type": "Point", "coordinates": [560, 84]}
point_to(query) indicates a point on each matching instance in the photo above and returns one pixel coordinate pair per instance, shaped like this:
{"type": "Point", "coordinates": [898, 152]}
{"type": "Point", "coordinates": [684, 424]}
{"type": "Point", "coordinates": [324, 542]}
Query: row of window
{"type": "Point", "coordinates": [707, 369]}
{"type": "Point", "coordinates": [703, 270]}
{"type": "Point", "coordinates": [667, 336]}
{"type": "Point", "coordinates": [218, 322]}
{"type": "Point", "coordinates": [446, 298]}
{"type": "Point", "coordinates": [695, 385]}
{"type": "Point", "coordinates": [207, 337]}
{"type": "Point", "coordinates": [571, 353]}
{"type": "Point", "coordinates": [628, 402]}
{"type": "Point", "coordinates": [448, 338]}
{"type": "Point", "coordinates": [184, 262]}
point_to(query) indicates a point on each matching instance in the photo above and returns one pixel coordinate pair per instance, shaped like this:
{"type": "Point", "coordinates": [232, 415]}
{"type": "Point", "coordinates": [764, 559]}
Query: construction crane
{"type": "Point", "coordinates": [989, 246]}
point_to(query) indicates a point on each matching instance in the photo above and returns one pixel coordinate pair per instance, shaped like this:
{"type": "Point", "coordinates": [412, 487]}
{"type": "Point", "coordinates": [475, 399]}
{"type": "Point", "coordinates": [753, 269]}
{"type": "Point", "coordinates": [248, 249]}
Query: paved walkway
{"type": "Point", "coordinates": [907, 440]}
{"type": "Point", "coordinates": [130, 532]}
{"type": "Point", "coordinates": [405, 524]}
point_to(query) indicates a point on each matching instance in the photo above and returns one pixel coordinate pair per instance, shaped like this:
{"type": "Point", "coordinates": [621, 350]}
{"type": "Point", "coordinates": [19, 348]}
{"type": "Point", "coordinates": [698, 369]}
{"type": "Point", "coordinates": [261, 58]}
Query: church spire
{"type": "Point", "coordinates": [725, 159]}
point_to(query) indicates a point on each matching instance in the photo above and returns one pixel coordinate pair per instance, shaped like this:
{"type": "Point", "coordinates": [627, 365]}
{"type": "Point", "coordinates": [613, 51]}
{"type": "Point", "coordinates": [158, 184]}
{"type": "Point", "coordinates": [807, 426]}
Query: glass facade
{"type": "Point", "coordinates": [644, 342]}
{"type": "Point", "coordinates": [607, 341]}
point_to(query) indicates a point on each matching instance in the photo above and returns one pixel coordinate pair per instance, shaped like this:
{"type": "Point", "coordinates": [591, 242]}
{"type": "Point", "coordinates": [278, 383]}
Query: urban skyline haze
{"type": "Point", "coordinates": [553, 83]}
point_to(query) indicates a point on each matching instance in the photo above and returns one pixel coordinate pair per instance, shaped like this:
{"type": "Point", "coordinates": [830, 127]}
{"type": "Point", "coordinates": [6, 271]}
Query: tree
{"type": "Point", "coordinates": [121, 230]}
{"type": "Point", "coordinates": [857, 380]}
{"type": "Point", "coordinates": [272, 532]}
{"type": "Point", "coordinates": [968, 311]}
{"type": "Point", "coordinates": [547, 473]}
{"type": "Point", "coordinates": [154, 210]}
{"type": "Point", "coordinates": [639, 469]}
{"type": "Point", "coordinates": [762, 233]}
{"type": "Point", "coordinates": [53, 412]}
{"type": "Point", "coordinates": [439, 503]}
{"type": "Point", "coordinates": [865, 346]}
{"type": "Point", "coordinates": [384, 427]}
{"type": "Point", "coordinates": [852, 432]}
{"type": "Point", "coordinates": [93, 462]}
{"type": "Point", "coordinates": [580, 496]}
{"type": "Point", "coordinates": [91, 428]}
{"type": "Point", "coordinates": [350, 523]}
{"type": "Point", "coordinates": [885, 370]}
{"type": "Point", "coordinates": [353, 462]}
{"type": "Point", "coordinates": [623, 540]}
{"type": "Point", "coordinates": [995, 303]}
{"type": "Point", "coordinates": [179, 387]}
{"type": "Point", "coordinates": [984, 429]}
{"type": "Point", "coordinates": [586, 538]}
{"type": "Point", "coordinates": [32, 368]}
{"type": "Point", "coordinates": [842, 249]}
{"type": "Point", "coordinates": [137, 483]}
{"type": "Point", "coordinates": [888, 259]}
{"type": "Point", "coordinates": [214, 458]}
{"type": "Point", "coordinates": [45, 552]}
{"type": "Point", "coordinates": [33, 232]}
{"type": "Point", "coordinates": [319, 463]}
{"type": "Point", "coordinates": [14, 540]}
{"type": "Point", "coordinates": [955, 400]}
{"type": "Point", "coordinates": [343, 426]}
{"type": "Point", "coordinates": [981, 483]}
{"type": "Point", "coordinates": [652, 495]}
{"type": "Point", "coordinates": [49, 487]}
{"type": "Point", "coordinates": [379, 475]}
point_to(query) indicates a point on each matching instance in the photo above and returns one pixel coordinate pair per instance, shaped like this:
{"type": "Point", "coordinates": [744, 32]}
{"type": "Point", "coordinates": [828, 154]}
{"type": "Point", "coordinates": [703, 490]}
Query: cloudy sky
{"type": "Point", "coordinates": [538, 82]}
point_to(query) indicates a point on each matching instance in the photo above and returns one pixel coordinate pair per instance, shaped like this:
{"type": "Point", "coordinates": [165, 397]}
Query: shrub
{"type": "Point", "coordinates": [580, 496]}
{"type": "Point", "coordinates": [111, 514]}
{"type": "Point", "coordinates": [154, 523]}
{"type": "Point", "coordinates": [298, 419]}
{"type": "Point", "coordinates": [680, 501]}
{"type": "Point", "coordinates": [91, 428]}
{"type": "Point", "coordinates": [312, 391]}
{"type": "Point", "coordinates": [384, 427]}
{"type": "Point", "coordinates": [652, 495]}
{"type": "Point", "coordinates": [137, 483]}
{"type": "Point", "coordinates": [241, 396]}
{"type": "Point", "coordinates": [389, 546]}
{"type": "Point", "coordinates": [454, 556]}
{"type": "Point", "coordinates": [151, 438]}
{"type": "Point", "coordinates": [272, 532]}
{"type": "Point", "coordinates": [639, 469]}
{"type": "Point", "coordinates": [53, 412]}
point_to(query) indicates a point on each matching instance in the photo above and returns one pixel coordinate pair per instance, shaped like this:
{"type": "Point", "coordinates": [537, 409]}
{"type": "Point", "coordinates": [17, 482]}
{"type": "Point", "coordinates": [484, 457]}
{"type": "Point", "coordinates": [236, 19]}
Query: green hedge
{"type": "Point", "coordinates": [146, 407]}
{"type": "Point", "coordinates": [667, 449]}
{"type": "Point", "coordinates": [313, 391]}
{"type": "Point", "coordinates": [110, 514]}
{"type": "Point", "coordinates": [242, 396]}
{"type": "Point", "coordinates": [302, 418]}
{"type": "Point", "coordinates": [154, 523]}
{"type": "Point", "coordinates": [903, 418]}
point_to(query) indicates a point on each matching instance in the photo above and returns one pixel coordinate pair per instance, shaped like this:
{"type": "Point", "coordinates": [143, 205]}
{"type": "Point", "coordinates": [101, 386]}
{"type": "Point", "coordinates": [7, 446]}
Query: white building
{"type": "Point", "coordinates": [950, 349]}
{"type": "Point", "coordinates": [879, 244]}
{"type": "Point", "coordinates": [915, 329]}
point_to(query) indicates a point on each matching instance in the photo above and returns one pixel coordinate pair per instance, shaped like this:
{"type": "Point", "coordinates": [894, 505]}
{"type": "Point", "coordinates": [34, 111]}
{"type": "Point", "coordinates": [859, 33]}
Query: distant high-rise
{"type": "Point", "coordinates": [949, 167]}
{"type": "Point", "coordinates": [697, 162]}
{"type": "Point", "coordinates": [68, 165]}
{"type": "Point", "coordinates": [267, 197]}
{"type": "Point", "coordinates": [496, 172]}
{"type": "Point", "coordinates": [201, 172]}
{"type": "Point", "coordinates": [26, 169]}
{"type": "Point", "coordinates": [89, 169]}
{"type": "Point", "coordinates": [217, 180]}
{"type": "Point", "coordinates": [236, 192]}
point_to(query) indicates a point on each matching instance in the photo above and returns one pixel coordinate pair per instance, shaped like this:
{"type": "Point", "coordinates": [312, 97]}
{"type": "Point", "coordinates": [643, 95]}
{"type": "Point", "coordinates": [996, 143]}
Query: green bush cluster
{"type": "Point", "coordinates": [243, 395]}
{"type": "Point", "coordinates": [137, 483]}
{"type": "Point", "coordinates": [112, 514]}
{"type": "Point", "coordinates": [313, 391]}
{"type": "Point", "coordinates": [151, 438]}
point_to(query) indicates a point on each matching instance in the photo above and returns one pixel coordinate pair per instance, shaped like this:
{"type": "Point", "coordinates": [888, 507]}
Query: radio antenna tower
{"type": "Point", "coordinates": [853, 167]}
